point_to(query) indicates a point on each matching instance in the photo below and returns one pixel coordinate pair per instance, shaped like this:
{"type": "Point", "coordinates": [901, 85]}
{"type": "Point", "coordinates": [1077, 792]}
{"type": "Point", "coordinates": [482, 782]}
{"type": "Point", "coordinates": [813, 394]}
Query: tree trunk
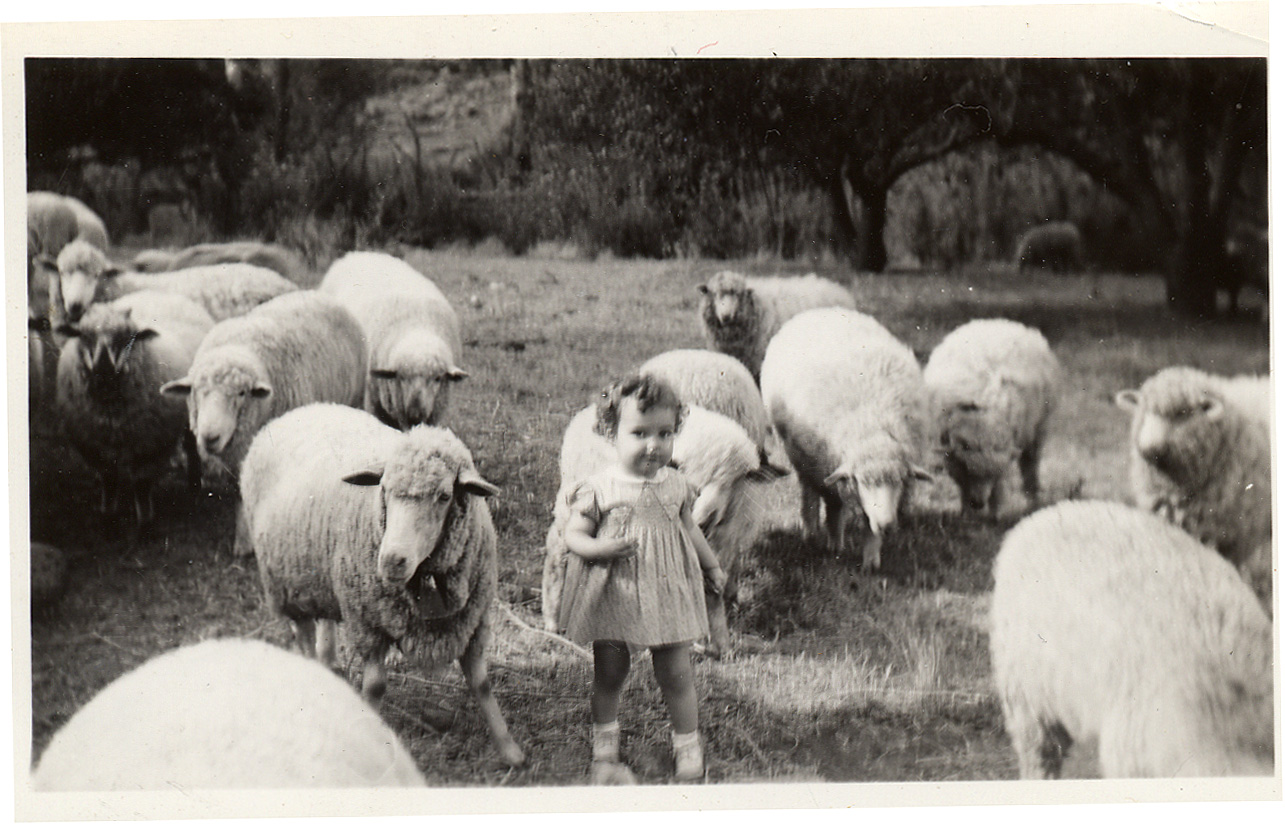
{"type": "Point", "coordinates": [281, 141]}
{"type": "Point", "coordinates": [846, 240]}
{"type": "Point", "coordinates": [876, 218]}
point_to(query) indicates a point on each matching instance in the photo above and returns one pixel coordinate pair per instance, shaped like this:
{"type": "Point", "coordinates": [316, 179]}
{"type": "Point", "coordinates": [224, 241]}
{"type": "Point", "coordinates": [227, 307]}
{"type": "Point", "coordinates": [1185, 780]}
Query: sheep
{"type": "Point", "coordinates": [1200, 454]}
{"type": "Point", "coordinates": [740, 314]}
{"type": "Point", "coordinates": [298, 348]}
{"type": "Point", "coordinates": [48, 575]}
{"type": "Point", "coordinates": [993, 384]}
{"type": "Point", "coordinates": [267, 255]}
{"type": "Point", "coordinates": [848, 402]}
{"type": "Point", "coordinates": [227, 714]}
{"type": "Point", "coordinates": [114, 361]}
{"type": "Point", "coordinates": [89, 227]}
{"type": "Point", "coordinates": [717, 382]}
{"type": "Point", "coordinates": [225, 290]}
{"type": "Point", "coordinates": [413, 333]}
{"type": "Point", "coordinates": [1055, 245]}
{"type": "Point", "coordinates": [1108, 623]}
{"type": "Point", "coordinates": [719, 461]}
{"type": "Point", "coordinates": [385, 531]}
{"type": "Point", "coordinates": [51, 225]}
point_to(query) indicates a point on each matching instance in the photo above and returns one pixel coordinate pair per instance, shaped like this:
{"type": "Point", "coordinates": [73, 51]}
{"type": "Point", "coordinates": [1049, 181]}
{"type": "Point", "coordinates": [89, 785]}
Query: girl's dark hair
{"type": "Point", "coordinates": [648, 392]}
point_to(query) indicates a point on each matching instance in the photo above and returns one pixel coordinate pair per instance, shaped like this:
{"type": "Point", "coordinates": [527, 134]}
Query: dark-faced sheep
{"type": "Point", "coordinates": [387, 532]}
{"type": "Point", "coordinates": [1109, 624]}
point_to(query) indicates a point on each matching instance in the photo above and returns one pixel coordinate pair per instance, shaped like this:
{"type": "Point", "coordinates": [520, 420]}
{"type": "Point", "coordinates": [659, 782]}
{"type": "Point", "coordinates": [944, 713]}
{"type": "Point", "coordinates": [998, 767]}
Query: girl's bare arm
{"type": "Point", "coordinates": [581, 540]}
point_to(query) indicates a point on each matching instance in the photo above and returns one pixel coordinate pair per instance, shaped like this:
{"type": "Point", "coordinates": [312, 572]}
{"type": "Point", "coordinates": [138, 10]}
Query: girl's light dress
{"type": "Point", "coordinates": [655, 597]}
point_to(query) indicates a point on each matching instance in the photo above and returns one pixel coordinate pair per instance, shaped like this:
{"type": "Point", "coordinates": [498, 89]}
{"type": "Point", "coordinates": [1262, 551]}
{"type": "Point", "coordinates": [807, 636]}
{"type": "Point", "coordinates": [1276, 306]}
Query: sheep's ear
{"type": "Point", "coordinates": [835, 477]}
{"type": "Point", "coordinates": [179, 386]}
{"type": "Point", "coordinates": [39, 323]}
{"type": "Point", "coordinates": [382, 373]}
{"type": "Point", "coordinates": [260, 391]}
{"type": "Point", "coordinates": [919, 473]}
{"type": "Point", "coordinates": [45, 261]}
{"type": "Point", "coordinates": [145, 335]}
{"type": "Point", "coordinates": [1127, 399]}
{"type": "Point", "coordinates": [65, 328]}
{"type": "Point", "coordinates": [968, 406]}
{"type": "Point", "coordinates": [473, 484]}
{"type": "Point", "coordinates": [366, 478]}
{"type": "Point", "coordinates": [456, 374]}
{"type": "Point", "coordinates": [767, 471]}
{"type": "Point", "coordinates": [111, 272]}
{"type": "Point", "coordinates": [703, 289]}
{"type": "Point", "coordinates": [1212, 408]}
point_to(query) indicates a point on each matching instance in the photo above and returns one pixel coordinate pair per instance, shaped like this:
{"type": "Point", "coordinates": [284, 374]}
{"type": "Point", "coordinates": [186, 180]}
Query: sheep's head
{"type": "Point", "coordinates": [81, 266]}
{"type": "Point", "coordinates": [716, 456]}
{"type": "Point", "coordinates": [874, 484]}
{"type": "Point", "coordinates": [407, 379]}
{"type": "Point", "coordinates": [978, 449]}
{"type": "Point", "coordinates": [426, 480]}
{"type": "Point", "coordinates": [105, 339]}
{"type": "Point", "coordinates": [1177, 428]}
{"type": "Point", "coordinates": [221, 388]}
{"type": "Point", "coordinates": [726, 299]}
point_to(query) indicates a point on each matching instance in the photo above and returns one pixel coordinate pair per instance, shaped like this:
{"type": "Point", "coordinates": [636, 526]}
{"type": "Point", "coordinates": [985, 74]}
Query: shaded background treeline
{"type": "Point", "coordinates": [880, 164]}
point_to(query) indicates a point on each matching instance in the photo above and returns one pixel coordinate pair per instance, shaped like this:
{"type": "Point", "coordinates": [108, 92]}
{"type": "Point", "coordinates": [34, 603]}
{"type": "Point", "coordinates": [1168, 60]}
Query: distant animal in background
{"type": "Point", "coordinates": [993, 384]}
{"type": "Point", "coordinates": [1109, 624]}
{"type": "Point", "coordinates": [232, 714]}
{"type": "Point", "coordinates": [279, 259]}
{"type": "Point", "coordinates": [1056, 246]}
{"type": "Point", "coordinates": [740, 315]}
{"type": "Point", "coordinates": [1247, 265]}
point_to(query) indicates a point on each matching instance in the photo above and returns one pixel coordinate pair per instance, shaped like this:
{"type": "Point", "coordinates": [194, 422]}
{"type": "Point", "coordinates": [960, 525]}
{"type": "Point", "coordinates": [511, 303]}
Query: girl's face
{"type": "Point", "coordinates": [645, 440]}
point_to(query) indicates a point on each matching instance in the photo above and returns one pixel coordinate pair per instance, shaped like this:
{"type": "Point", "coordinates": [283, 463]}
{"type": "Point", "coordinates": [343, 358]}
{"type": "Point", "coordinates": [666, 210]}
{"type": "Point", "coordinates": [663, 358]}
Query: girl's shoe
{"type": "Point", "coordinates": [689, 759]}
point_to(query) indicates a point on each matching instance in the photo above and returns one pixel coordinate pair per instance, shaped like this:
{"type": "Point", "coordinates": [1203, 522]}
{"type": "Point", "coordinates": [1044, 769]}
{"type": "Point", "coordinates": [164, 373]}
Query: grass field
{"type": "Point", "coordinates": [837, 676]}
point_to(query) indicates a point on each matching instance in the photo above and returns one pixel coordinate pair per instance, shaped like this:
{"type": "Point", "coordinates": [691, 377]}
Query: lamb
{"type": "Point", "coordinates": [742, 314]}
{"type": "Point", "coordinates": [225, 290]}
{"type": "Point", "coordinates": [227, 713]}
{"type": "Point", "coordinates": [109, 371]}
{"type": "Point", "coordinates": [413, 331]}
{"type": "Point", "coordinates": [298, 348]}
{"type": "Point", "coordinates": [1055, 245]}
{"type": "Point", "coordinates": [1200, 455]}
{"type": "Point", "coordinates": [1108, 623]}
{"type": "Point", "coordinates": [993, 385]}
{"type": "Point", "coordinates": [719, 461]}
{"type": "Point", "coordinates": [385, 531]}
{"type": "Point", "coordinates": [267, 255]}
{"type": "Point", "coordinates": [717, 382]}
{"type": "Point", "coordinates": [848, 401]}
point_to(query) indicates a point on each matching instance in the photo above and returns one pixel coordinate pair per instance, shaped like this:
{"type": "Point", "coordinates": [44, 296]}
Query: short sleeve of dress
{"type": "Point", "coordinates": [583, 499]}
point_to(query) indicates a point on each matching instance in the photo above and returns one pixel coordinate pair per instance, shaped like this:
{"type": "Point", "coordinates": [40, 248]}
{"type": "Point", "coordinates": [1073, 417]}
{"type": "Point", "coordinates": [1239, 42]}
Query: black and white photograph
{"type": "Point", "coordinates": [733, 417]}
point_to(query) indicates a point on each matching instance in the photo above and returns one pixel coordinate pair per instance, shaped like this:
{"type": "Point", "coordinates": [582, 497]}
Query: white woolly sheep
{"type": "Point", "coordinates": [48, 575]}
{"type": "Point", "coordinates": [717, 382]}
{"type": "Point", "coordinates": [413, 331]}
{"type": "Point", "coordinates": [1056, 246]}
{"type": "Point", "coordinates": [113, 363]}
{"type": "Point", "coordinates": [848, 402]}
{"type": "Point", "coordinates": [267, 255]}
{"type": "Point", "coordinates": [231, 714]}
{"type": "Point", "coordinates": [298, 348]}
{"type": "Point", "coordinates": [1108, 623]}
{"type": "Point", "coordinates": [51, 225]}
{"type": "Point", "coordinates": [385, 531]}
{"type": "Point", "coordinates": [719, 461]}
{"type": "Point", "coordinates": [993, 384]}
{"type": "Point", "coordinates": [1200, 454]}
{"type": "Point", "coordinates": [742, 314]}
{"type": "Point", "coordinates": [225, 290]}
{"type": "Point", "coordinates": [89, 227]}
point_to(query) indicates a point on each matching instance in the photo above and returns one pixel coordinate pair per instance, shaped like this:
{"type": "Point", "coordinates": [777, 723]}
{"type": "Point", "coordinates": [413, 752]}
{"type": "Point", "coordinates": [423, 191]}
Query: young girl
{"type": "Point", "coordinates": [635, 571]}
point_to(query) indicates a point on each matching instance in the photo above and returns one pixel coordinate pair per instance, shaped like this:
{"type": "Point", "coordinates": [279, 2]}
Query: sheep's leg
{"type": "Point", "coordinates": [997, 498]}
{"type": "Point", "coordinates": [374, 680]}
{"type": "Point", "coordinates": [871, 549]}
{"type": "Point", "coordinates": [305, 636]}
{"type": "Point", "coordinates": [326, 642]}
{"type": "Point", "coordinates": [1029, 464]}
{"type": "Point", "coordinates": [555, 572]}
{"type": "Point", "coordinates": [1029, 735]}
{"type": "Point", "coordinates": [193, 458]}
{"type": "Point", "coordinates": [473, 663]}
{"type": "Point", "coordinates": [810, 510]}
{"type": "Point", "coordinates": [242, 544]}
{"type": "Point", "coordinates": [834, 523]}
{"type": "Point", "coordinates": [720, 636]}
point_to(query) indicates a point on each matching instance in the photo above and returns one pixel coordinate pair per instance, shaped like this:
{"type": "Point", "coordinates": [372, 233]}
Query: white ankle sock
{"type": "Point", "coordinates": [606, 741]}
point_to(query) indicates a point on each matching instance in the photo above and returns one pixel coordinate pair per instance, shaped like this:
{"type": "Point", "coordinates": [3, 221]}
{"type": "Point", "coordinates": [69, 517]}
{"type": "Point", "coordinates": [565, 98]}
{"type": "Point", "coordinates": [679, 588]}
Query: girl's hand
{"type": "Point", "coordinates": [609, 549]}
{"type": "Point", "coordinates": [716, 579]}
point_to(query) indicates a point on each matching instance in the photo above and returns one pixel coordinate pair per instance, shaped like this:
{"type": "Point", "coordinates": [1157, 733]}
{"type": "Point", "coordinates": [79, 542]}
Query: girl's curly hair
{"type": "Point", "coordinates": [648, 391]}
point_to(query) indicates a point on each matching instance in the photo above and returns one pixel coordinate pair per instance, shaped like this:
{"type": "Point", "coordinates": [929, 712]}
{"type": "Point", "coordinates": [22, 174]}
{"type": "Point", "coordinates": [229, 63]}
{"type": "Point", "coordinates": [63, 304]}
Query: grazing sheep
{"type": "Point", "coordinates": [230, 714]}
{"type": "Point", "coordinates": [89, 226]}
{"type": "Point", "coordinates": [1108, 623]}
{"type": "Point", "coordinates": [1056, 246]}
{"type": "Point", "coordinates": [48, 575]}
{"type": "Point", "coordinates": [225, 290]}
{"type": "Point", "coordinates": [719, 461]}
{"type": "Point", "coordinates": [113, 363]}
{"type": "Point", "coordinates": [742, 314]}
{"type": "Point", "coordinates": [267, 255]}
{"type": "Point", "coordinates": [1200, 454]}
{"type": "Point", "coordinates": [414, 336]}
{"type": "Point", "coordinates": [848, 402]}
{"type": "Point", "coordinates": [717, 382]}
{"type": "Point", "coordinates": [298, 348]}
{"type": "Point", "coordinates": [386, 531]}
{"type": "Point", "coordinates": [993, 384]}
